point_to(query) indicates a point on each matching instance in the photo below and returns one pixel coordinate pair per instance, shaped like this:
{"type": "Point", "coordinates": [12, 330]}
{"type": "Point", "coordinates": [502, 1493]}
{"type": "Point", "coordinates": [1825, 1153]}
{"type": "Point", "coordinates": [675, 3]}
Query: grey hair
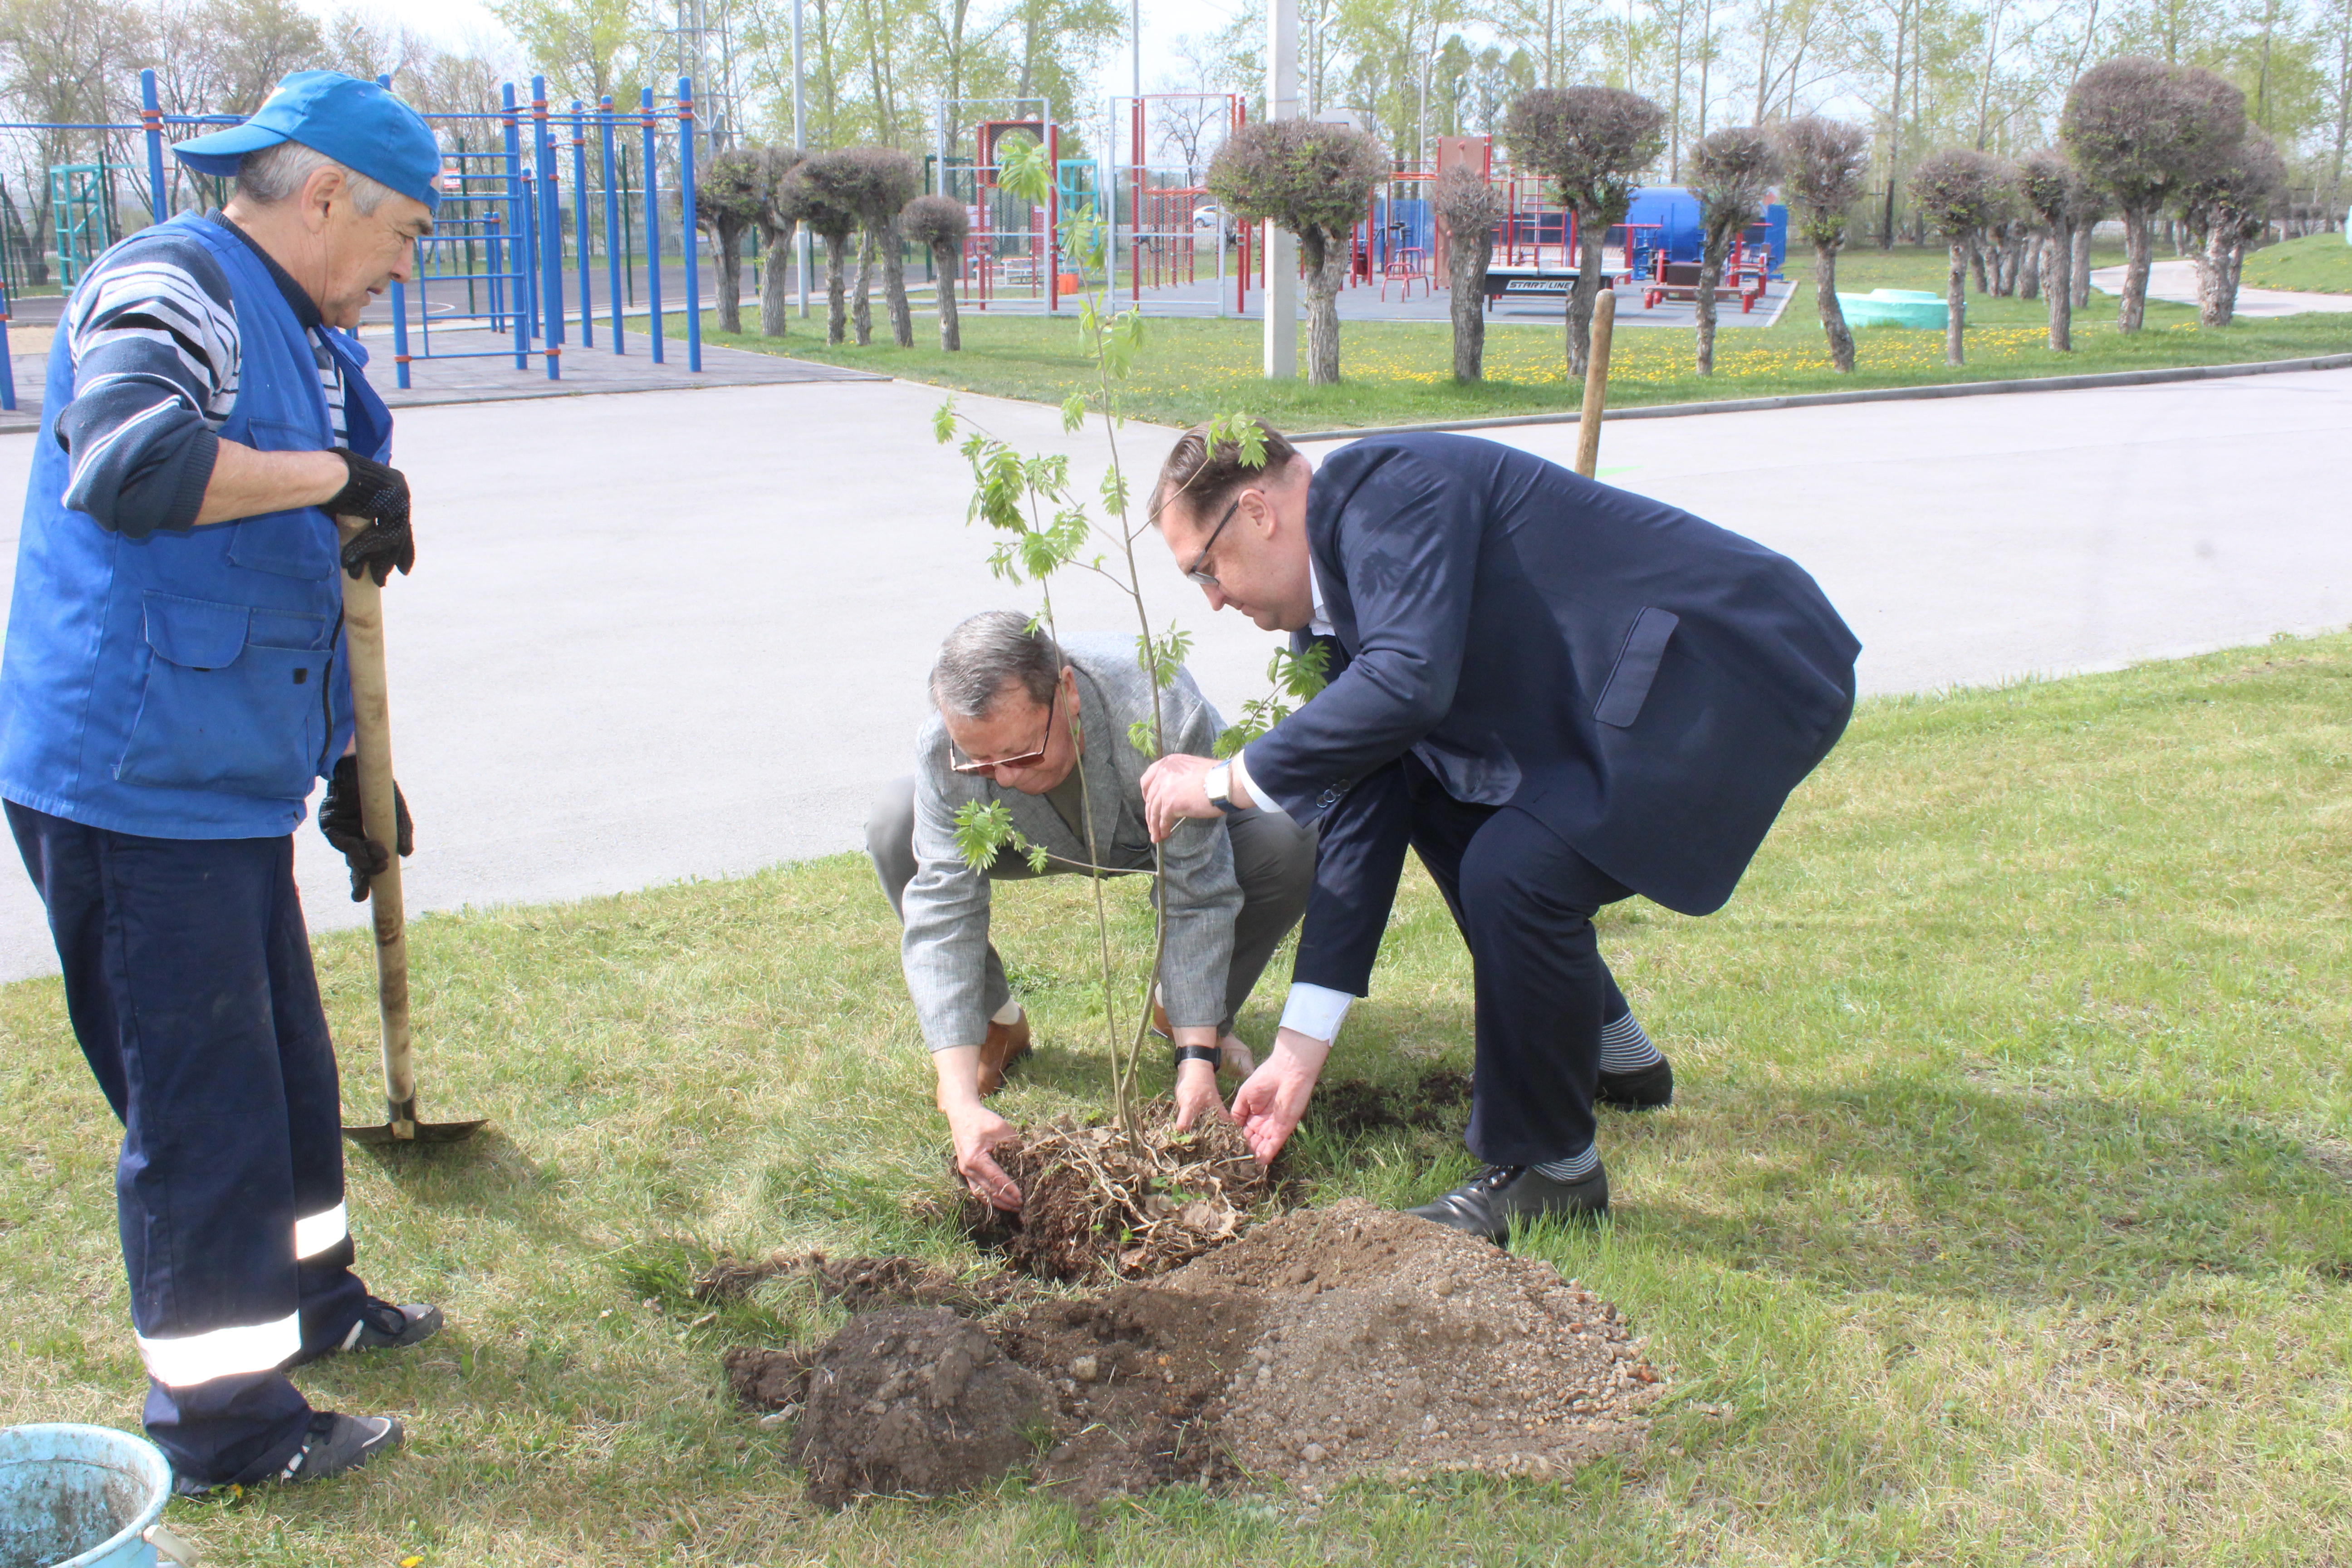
{"type": "Point", "coordinates": [986, 651]}
{"type": "Point", "coordinates": [274, 173]}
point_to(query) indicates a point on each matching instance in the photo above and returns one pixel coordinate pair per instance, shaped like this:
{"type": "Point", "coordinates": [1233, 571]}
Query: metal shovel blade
{"type": "Point", "coordinates": [402, 1127]}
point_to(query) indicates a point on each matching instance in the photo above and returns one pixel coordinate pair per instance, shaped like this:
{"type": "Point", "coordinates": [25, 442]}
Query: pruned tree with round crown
{"type": "Point", "coordinates": [1591, 144]}
{"type": "Point", "coordinates": [1312, 179]}
{"type": "Point", "coordinates": [1822, 164]}
{"type": "Point", "coordinates": [1731, 173]}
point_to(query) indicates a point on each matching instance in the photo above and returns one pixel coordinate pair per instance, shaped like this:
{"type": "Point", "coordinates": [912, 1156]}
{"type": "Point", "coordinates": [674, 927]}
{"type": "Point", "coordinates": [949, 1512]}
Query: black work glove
{"type": "Point", "coordinates": [380, 494]}
{"type": "Point", "coordinates": [339, 819]}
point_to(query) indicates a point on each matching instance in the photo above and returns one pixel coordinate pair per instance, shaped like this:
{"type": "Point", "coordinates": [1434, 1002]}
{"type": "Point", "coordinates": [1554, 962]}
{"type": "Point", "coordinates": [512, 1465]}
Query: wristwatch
{"type": "Point", "coordinates": [1219, 783]}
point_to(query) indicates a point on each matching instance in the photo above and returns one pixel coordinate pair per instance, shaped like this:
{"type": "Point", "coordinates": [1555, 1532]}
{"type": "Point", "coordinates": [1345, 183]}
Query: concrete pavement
{"type": "Point", "coordinates": [2177, 281]}
{"type": "Point", "coordinates": [684, 634]}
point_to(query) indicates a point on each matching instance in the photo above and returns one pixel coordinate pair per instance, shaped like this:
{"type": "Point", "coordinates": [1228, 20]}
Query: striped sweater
{"type": "Point", "coordinates": [152, 333]}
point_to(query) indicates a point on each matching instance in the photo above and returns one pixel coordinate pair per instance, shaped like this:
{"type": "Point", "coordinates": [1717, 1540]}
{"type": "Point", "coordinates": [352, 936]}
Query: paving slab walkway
{"type": "Point", "coordinates": [684, 634]}
{"type": "Point", "coordinates": [2176, 281]}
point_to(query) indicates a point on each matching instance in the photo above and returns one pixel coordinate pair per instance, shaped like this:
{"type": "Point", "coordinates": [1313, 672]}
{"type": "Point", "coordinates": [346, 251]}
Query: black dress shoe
{"type": "Point", "coordinates": [1643, 1088]}
{"type": "Point", "coordinates": [1489, 1201]}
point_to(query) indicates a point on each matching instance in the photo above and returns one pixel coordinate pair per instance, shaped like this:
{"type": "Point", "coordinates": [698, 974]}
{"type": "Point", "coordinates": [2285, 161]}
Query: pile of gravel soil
{"type": "Point", "coordinates": [1331, 1343]}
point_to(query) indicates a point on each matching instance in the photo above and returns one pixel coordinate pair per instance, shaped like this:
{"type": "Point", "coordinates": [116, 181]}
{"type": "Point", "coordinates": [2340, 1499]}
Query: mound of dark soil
{"type": "Point", "coordinates": [909, 1401]}
{"type": "Point", "coordinates": [1329, 1343]}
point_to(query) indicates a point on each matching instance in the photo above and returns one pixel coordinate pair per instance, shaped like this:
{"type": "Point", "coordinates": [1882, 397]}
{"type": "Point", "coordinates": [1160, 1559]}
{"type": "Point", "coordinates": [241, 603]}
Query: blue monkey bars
{"type": "Point", "coordinates": [495, 261]}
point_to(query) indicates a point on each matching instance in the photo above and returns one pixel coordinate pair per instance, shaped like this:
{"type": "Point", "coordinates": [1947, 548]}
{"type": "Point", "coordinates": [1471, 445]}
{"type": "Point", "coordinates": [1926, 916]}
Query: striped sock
{"type": "Point", "coordinates": [1575, 1168]}
{"type": "Point", "coordinates": [1625, 1047]}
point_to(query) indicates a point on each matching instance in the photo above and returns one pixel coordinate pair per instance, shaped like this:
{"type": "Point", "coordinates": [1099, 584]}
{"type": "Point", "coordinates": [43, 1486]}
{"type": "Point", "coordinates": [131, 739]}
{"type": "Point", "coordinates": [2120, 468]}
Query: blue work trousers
{"type": "Point", "coordinates": [188, 977]}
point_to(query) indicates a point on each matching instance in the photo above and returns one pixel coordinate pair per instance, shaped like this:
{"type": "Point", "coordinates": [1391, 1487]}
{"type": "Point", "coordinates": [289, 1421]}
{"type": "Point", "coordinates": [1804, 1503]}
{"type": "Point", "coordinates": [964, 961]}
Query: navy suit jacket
{"type": "Point", "coordinates": [1648, 685]}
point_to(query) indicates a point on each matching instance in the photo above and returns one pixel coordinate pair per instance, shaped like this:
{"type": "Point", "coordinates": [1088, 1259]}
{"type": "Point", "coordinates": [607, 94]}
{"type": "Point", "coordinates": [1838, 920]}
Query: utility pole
{"type": "Point", "coordinates": [1281, 296]}
{"type": "Point", "coordinates": [799, 140]}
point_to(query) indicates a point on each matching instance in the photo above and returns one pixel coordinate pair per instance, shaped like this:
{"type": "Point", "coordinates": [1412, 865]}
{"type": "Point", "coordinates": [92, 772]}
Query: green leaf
{"type": "Point", "coordinates": [981, 828]}
{"type": "Point", "coordinates": [1142, 736]}
{"type": "Point", "coordinates": [1114, 491]}
{"type": "Point", "coordinates": [943, 423]}
{"type": "Point", "coordinates": [1300, 675]}
{"type": "Point", "coordinates": [1024, 170]}
{"type": "Point", "coordinates": [1073, 411]}
{"type": "Point", "coordinates": [1037, 858]}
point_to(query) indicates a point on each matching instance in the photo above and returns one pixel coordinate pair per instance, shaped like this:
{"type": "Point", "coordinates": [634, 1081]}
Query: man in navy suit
{"type": "Point", "coordinates": [1558, 694]}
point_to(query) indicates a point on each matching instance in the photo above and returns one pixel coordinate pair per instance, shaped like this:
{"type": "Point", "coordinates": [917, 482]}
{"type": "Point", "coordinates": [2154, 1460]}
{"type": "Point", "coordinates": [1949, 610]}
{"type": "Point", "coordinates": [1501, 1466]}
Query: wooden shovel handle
{"type": "Point", "coordinates": [380, 817]}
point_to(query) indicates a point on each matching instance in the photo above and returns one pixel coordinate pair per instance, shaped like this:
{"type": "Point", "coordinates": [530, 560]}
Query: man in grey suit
{"type": "Point", "coordinates": [1045, 731]}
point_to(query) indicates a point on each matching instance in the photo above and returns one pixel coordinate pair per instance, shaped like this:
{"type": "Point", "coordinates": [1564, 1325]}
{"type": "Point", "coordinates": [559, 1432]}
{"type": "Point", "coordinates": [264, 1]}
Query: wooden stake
{"type": "Point", "coordinates": [1596, 384]}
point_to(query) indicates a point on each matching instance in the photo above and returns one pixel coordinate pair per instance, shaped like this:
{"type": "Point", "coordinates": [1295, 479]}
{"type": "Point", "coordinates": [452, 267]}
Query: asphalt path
{"type": "Point", "coordinates": [673, 635]}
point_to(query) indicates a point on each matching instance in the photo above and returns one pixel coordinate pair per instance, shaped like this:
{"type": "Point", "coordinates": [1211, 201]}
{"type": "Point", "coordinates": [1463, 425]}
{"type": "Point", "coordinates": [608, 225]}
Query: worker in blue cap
{"type": "Point", "coordinates": [173, 688]}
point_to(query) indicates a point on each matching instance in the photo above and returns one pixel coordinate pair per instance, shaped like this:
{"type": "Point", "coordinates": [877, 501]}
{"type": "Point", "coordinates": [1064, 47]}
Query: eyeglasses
{"type": "Point", "coordinates": [1208, 579]}
{"type": "Point", "coordinates": [1026, 759]}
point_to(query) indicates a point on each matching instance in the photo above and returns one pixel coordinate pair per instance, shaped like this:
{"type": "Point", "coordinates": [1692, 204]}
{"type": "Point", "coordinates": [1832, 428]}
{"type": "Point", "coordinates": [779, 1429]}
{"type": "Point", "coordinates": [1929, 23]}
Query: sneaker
{"type": "Point", "coordinates": [380, 1326]}
{"type": "Point", "coordinates": [339, 1443]}
{"type": "Point", "coordinates": [1489, 1201]}
{"type": "Point", "coordinates": [383, 1326]}
{"type": "Point", "coordinates": [333, 1444]}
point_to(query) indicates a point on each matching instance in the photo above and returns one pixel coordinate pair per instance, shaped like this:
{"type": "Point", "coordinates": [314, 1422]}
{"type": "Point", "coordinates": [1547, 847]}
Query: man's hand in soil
{"type": "Point", "coordinates": [1270, 1103]}
{"type": "Point", "coordinates": [975, 1128]}
{"type": "Point", "coordinates": [1196, 1088]}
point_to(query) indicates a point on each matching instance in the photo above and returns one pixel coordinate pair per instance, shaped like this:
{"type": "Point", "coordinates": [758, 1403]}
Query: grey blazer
{"type": "Point", "coordinates": [946, 942]}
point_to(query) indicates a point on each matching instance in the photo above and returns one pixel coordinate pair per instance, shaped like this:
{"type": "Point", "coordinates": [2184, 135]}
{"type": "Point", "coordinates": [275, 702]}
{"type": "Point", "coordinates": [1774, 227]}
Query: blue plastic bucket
{"type": "Point", "coordinates": [79, 1497]}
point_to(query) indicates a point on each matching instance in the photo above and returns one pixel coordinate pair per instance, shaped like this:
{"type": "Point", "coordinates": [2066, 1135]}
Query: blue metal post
{"type": "Point", "coordinates": [612, 220]}
{"type": "Point", "coordinates": [517, 231]}
{"type": "Point", "coordinates": [151, 114]}
{"type": "Point", "coordinates": [653, 226]}
{"type": "Point", "coordinates": [550, 231]}
{"type": "Point", "coordinates": [686, 207]}
{"type": "Point", "coordinates": [580, 220]}
{"type": "Point", "coordinates": [7, 366]}
{"type": "Point", "coordinates": [399, 300]}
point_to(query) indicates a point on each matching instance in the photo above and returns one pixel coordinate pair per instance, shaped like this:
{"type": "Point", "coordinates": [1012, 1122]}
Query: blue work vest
{"type": "Point", "coordinates": [188, 685]}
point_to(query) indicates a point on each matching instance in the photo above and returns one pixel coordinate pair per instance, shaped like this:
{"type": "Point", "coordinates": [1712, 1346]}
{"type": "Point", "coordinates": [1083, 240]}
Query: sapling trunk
{"type": "Point", "coordinates": [1710, 273]}
{"type": "Point", "coordinates": [2138, 257]}
{"type": "Point", "coordinates": [731, 278]}
{"type": "Point", "coordinates": [1322, 308]}
{"type": "Point", "coordinates": [774, 307]}
{"type": "Point", "coordinates": [1956, 299]}
{"type": "Point", "coordinates": [862, 305]}
{"type": "Point", "coordinates": [1587, 290]}
{"type": "Point", "coordinates": [951, 328]}
{"type": "Point", "coordinates": [836, 260]}
{"type": "Point", "coordinates": [1834, 327]}
{"type": "Point", "coordinates": [1466, 257]}
{"type": "Point", "coordinates": [894, 284]}
{"type": "Point", "coordinates": [2062, 289]}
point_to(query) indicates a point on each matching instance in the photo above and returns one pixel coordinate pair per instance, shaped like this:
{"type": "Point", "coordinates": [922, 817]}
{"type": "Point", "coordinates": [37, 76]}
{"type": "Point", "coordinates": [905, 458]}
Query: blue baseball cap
{"type": "Point", "coordinates": [357, 123]}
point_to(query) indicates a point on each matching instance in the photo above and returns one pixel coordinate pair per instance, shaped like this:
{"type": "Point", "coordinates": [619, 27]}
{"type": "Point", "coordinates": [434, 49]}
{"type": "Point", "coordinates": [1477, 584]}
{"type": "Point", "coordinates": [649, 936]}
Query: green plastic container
{"type": "Point", "coordinates": [1895, 308]}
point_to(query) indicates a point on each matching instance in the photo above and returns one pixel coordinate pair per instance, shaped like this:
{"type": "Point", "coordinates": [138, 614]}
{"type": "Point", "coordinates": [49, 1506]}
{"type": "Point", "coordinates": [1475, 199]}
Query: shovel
{"type": "Point", "coordinates": [371, 719]}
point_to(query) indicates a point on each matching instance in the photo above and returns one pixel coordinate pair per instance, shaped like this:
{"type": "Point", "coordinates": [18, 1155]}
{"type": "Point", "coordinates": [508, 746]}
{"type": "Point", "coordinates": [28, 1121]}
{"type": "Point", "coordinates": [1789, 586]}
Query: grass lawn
{"type": "Point", "coordinates": [2321, 263]}
{"type": "Point", "coordinates": [2003, 1215]}
{"type": "Point", "coordinates": [1401, 372]}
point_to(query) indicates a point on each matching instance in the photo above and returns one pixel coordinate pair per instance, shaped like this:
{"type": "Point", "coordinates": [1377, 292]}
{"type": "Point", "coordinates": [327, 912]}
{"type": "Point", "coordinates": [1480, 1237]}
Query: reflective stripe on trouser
{"type": "Point", "coordinates": [187, 974]}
